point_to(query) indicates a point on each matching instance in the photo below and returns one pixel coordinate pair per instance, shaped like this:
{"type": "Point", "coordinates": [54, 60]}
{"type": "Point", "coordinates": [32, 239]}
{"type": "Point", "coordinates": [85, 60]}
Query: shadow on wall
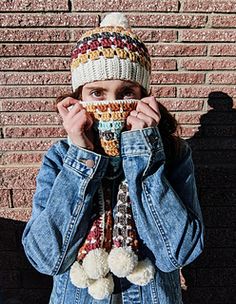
{"type": "Point", "coordinates": [212, 277]}
{"type": "Point", "coordinates": [20, 283]}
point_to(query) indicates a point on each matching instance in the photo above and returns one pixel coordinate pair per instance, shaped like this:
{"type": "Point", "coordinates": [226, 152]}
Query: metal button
{"type": "Point", "coordinates": [89, 163]}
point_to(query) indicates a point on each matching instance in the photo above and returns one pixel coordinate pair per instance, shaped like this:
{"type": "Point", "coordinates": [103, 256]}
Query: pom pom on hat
{"type": "Point", "coordinates": [143, 273]}
{"type": "Point", "coordinates": [115, 19]}
{"type": "Point", "coordinates": [101, 288]}
{"type": "Point", "coordinates": [95, 263]}
{"type": "Point", "coordinates": [78, 276]}
{"type": "Point", "coordinates": [122, 261]}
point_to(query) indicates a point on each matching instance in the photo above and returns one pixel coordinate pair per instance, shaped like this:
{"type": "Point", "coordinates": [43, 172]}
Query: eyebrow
{"type": "Point", "coordinates": [127, 86]}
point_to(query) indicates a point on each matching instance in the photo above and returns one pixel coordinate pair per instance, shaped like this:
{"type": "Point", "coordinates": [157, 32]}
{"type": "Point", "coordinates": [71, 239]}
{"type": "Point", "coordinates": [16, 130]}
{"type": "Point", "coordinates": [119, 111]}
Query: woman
{"type": "Point", "coordinates": [115, 213]}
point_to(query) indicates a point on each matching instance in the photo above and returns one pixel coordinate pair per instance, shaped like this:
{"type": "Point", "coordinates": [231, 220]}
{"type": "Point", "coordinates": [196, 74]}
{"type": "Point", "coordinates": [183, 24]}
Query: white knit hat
{"type": "Point", "coordinates": [111, 51]}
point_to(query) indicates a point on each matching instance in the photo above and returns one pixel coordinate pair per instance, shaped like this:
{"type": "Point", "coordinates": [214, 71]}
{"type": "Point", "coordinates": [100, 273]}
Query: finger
{"type": "Point", "coordinates": [151, 101]}
{"type": "Point", "coordinates": [79, 122]}
{"type": "Point", "coordinates": [134, 123]}
{"type": "Point", "coordinates": [76, 108]}
{"type": "Point", "coordinates": [148, 120]}
{"type": "Point", "coordinates": [64, 104]}
{"type": "Point", "coordinates": [148, 110]}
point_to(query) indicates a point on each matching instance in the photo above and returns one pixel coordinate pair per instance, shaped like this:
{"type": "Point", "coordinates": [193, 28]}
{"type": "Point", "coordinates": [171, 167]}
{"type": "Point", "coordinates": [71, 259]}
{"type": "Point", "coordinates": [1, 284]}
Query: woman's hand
{"type": "Point", "coordinates": [77, 123]}
{"type": "Point", "coordinates": [147, 114]}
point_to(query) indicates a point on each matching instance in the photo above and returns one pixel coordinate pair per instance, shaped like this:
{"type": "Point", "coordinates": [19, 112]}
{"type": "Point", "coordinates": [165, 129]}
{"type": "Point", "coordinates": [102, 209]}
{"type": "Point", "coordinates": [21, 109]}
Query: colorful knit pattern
{"type": "Point", "coordinates": [103, 234]}
{"type": "Point", "coordinates": [100, 234]}
{"type": "Point", "coordinates": [124, 231]}
{"type": "Point", "coordinates": [110, 53]}
{"type": "Point", "coordinates": [110, 117]}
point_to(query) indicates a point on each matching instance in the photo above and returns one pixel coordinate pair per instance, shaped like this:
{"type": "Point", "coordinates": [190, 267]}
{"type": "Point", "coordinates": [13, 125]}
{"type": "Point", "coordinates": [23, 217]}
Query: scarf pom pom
{"type": "Point", "coordinates": [143, 273]}
{"type": "Point", "coordinates": [95, 263]}
{"type": "Point", "coordinates": [78, 276]}
{"type": "Point", "coordinates": [101, 288]}
{"type": "Point", "coordinates": [122, 261]}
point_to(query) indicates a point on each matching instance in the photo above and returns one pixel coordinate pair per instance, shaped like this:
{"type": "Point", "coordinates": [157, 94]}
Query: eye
{"type": "Point", "coordinates": [96, 93]}
{"type": "Point", "coordinates": [128, 93]}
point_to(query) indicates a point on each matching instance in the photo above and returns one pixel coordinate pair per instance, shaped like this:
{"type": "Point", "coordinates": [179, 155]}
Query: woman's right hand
{"type": "Point", "coordinates": [77, 123]}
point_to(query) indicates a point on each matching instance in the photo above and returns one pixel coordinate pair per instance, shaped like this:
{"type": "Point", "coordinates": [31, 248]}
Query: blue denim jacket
{"type": "Point", "coordinates": [166, 213]}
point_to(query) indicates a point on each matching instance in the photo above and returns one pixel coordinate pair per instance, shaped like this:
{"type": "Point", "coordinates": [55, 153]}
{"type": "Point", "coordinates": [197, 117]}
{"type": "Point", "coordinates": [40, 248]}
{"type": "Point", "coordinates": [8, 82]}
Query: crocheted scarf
{"type": "Point", "coordinates": [111, 245]}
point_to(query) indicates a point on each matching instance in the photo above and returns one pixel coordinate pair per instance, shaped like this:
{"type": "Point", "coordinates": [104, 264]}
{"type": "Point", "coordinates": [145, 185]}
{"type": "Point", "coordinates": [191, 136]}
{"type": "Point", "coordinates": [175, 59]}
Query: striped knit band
{"type": "Point", "coordinates": [110, 52]}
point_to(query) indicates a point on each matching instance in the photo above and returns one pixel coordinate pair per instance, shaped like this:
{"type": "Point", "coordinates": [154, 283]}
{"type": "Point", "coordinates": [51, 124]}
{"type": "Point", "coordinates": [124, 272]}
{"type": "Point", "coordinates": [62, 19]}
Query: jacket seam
{"type": "Point", "coordinates": [157, 221]}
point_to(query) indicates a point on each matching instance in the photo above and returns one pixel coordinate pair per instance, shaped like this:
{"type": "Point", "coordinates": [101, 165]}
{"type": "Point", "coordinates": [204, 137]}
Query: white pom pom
{"type": "Point", "coordinates": [143, 273]}
{"type": "Point", "coordinates": [122, 261]}
{"type": "Point", "coordinates": [78, 276]}
{"type": "Point", "coordinates": [101, 288]}
{"type": "Point", "coordinates": [115, 19]}
{"type": "Point", "coordinates": [95, 263]}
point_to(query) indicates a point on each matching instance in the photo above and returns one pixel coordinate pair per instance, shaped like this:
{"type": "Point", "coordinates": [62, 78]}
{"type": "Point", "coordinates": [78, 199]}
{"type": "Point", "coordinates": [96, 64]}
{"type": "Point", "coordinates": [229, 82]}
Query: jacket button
{"type": "Point", "coordinates": [89, 163]}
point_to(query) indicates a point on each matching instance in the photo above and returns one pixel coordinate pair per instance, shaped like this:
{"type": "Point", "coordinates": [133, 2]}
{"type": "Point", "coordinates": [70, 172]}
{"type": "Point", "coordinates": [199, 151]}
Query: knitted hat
{"type": "Point", "coordinates": [111, 51]}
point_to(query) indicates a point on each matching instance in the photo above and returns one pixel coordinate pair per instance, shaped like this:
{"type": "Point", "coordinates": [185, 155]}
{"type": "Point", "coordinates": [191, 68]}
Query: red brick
{"type": "Point", "coordinates": [164, 64]}
{"type": "Point", "coordinates": [223, 21]}
{"type": "Point", "coordinates": [222, 78]}
{"type": "Point", "coordinates": [5, 198]}
{"type": "Point", "coordinates": [16, 132]}
{"type": "Point", "coordinates": [187, 132]}
{"type": "Point", "coordinates": [208, 35]}
{"type": "Point", "coordinates": [20, 158]}
{"type": "Point", "coordinates": [34, 91]}
{"type": "Point", "coordinates": [164, 20]}
{"type": "Point", "coordinates": [165, 91]}
{"type": "Point", "coordinates": [33, 5]}
{"type": "Point", "coordinates": [30, 119]}
{"type": "Point", "coordinates": [26, 145]}
{"type": "Point", "coordinates": [209, 6]}
{"type": "Point", "coordinates": [177, 78]}
{"type": "Point", "coordinates": [126, 5]}
{"type": "Point", "coordinates": [163, 50]}
{"type": "Point", "coordinates": [22, 198]}
{"type": "Point", "coordinates": [204, 91]}
{"type": "Point", "coordinates": [23, 35]}
{"type": "Point", "coordinates": [18, 178]}
{"type": "Point", "coordinates": [12, 105]}
{"type": "Point", "coordinates": [182, 105]}
{"type": "Point", "coordinates": [223, 50]}
{"type": "Point", "coordinates": [157, 35]}
{"type": "Point", "coordinates": [187, 119]}
{"type": "Point", "coordinates": [208, 64]}
{"type": "Point", "coordinates": [51, 49]}
{"type": "Point", "coordinates": [48, 20]}
{"type": "Point", "coordinates": [35, 64]}
{"type": "Point", "coordinates": [16, 214]}
{"type": "Point", "coordinates": [35, 78]}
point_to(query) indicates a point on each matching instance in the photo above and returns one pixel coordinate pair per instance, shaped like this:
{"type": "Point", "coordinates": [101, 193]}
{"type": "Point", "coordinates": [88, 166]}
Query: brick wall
{"type": "Point", "coordinates": [192, 44]}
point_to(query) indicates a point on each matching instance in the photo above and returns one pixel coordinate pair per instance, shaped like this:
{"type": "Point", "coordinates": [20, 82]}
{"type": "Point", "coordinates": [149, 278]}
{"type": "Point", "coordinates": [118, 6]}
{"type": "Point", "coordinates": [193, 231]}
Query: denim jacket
{"type": "Point", "coordinates": [166, 213]}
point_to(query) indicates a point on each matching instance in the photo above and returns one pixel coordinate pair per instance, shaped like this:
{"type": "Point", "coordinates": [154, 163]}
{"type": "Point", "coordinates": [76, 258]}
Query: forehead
{"type": "Point", "coordinates": [111, 84]}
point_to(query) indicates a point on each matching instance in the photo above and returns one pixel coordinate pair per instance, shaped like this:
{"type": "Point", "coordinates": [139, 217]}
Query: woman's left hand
{"type": "Point", "coordinates": [145, 115]}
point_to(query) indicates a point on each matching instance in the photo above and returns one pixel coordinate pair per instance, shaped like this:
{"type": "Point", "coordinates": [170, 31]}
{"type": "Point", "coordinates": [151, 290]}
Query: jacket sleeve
{"type": "Point", "coordinates": [166, 211]}
{"type": "Point", "coordinates": [62, 201]}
